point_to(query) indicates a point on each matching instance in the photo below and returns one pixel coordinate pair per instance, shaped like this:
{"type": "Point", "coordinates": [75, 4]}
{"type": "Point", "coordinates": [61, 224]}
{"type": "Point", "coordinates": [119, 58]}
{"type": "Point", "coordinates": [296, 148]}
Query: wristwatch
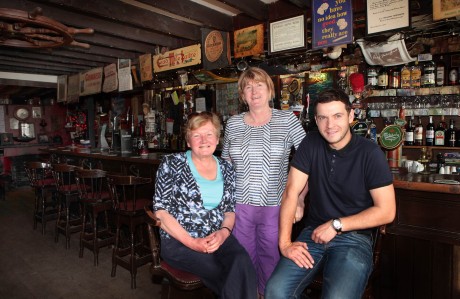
{"type": "Point", "coordinates": [337, 225]}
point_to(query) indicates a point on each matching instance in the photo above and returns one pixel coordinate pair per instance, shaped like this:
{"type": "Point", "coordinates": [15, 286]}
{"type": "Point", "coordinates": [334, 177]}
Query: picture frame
{"type": "Point", "coordinates": [43, 138]}
{"type": "Point", "coordinates": [332, 23]}
{"type": "Point", "coordinates": [248, 41]}
{"type": "Point", "coordinates": [6, 138]}
{"type": "Point", "coordinates": [445, 9]}
{"type": "Point", "coordinates": [383, 19]}
{"type": "Point", "coordinates": [287, 34]}
{"type": "Point", "coordinates": [36, 112]}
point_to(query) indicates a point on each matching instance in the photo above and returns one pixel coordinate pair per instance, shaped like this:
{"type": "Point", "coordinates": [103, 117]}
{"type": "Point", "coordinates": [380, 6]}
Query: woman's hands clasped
{"type": "Point", "coordinates": [211, 243]}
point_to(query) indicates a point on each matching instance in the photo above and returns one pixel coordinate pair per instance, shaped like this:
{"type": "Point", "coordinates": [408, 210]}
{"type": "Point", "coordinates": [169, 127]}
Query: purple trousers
{"type": "Point", "coordinates": [256, 228]}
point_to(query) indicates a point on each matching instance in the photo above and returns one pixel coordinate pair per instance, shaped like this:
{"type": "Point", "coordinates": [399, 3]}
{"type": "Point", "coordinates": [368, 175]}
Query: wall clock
{"type": "Point", "coordinates": [21, 113]}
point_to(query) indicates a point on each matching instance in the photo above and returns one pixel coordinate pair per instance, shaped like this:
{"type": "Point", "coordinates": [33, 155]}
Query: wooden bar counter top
{"type": "Point", "coordinates": [424, 182]}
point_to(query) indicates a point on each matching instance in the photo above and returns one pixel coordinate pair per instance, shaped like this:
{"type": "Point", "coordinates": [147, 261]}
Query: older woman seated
{"type": "Point", "coordinates": [194, 199]}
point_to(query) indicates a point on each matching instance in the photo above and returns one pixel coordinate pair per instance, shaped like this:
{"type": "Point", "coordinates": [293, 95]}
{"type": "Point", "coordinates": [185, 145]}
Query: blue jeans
{"type": "Point", "coordinates": [346, 262]}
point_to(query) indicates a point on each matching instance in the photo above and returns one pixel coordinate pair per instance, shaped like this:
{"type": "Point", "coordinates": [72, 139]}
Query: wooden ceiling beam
{"type": "Point", "coordinates": [194, 11]}
{"type": "Point", "coordinates": [119, 12]}
{"type": "Point", "coordinates": [255, 9]}
{"type": "Point", "coordinates": [111, 27]}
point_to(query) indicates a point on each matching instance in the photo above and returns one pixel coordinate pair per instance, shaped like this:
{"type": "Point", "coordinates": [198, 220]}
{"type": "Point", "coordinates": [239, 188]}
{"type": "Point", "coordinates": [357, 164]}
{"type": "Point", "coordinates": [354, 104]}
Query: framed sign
{"type": "Point", "coordinates": [382, 16]}
{"type": "Point", "coordinates": [445, 9]}
{"type": "Point", "coordinates": [248, 41]}
{"type": "Point", "coordinates": [287, 34]}
{"type": "Point", "coordinates": [332, 23]}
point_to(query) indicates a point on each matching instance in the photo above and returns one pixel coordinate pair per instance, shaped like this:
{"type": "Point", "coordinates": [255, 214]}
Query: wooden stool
{"type": "Point", "coordinates": [95, 200]}
{"type": "Point", "coordinates": [41, 180]}
{"type": "Point", "coordinates": [129, 212]}
{"type": "Point", "coordinates": [67, 224]}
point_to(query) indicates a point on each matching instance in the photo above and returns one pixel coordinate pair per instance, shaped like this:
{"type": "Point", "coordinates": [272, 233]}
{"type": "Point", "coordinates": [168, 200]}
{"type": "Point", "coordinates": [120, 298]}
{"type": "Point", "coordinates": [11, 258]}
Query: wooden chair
{"type": "Point", "coordinates": [69, 218]}
{"type": "Point", "coordinates": [160, 269]}
{"type": "Point", "coordinates": [377, 235]}
{"type": "Point", "coordinates": [95, 201]}
{"type": "Point", "coordinates": [41, 180]}
{"type": "Point", "coordinates": [129, 212]}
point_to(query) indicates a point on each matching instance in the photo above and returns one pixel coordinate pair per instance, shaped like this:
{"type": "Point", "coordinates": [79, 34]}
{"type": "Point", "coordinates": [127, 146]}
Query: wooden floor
{"type": "Point", "coordinates": [32, 265]}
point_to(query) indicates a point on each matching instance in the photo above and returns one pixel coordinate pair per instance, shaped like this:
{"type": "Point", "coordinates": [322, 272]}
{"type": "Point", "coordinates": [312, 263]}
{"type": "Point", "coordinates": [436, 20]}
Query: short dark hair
{"type": "Point", "coordinates": [332, 95]}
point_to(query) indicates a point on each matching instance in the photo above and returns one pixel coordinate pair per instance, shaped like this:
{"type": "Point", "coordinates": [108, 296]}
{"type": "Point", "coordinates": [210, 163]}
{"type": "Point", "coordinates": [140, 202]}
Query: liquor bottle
{"type": "Point", "coordinates": [405, 76]}
{"type": "Point", "coordinates": [394, 78]}
{"type": "Point", "coordinates": [372, 77]}
{"type": "Point", "coordinates": [382, 79]}
{"type": "Point", "coordinates": [373, 131]}
{"type": "Point", "coordinates": [443, 123]}
{"type": "Point", "coordinates": [440, 72]}
{"type": "Point", "coordinates": [415, 75]}
{"type": "Point", "coordinates": [409, 136]}
{"type": "Point", "coordinates": [418, 133]}
{"type": "Point", "coordinates": [453, 76]}
{"type": "Point", "coordinates": [429, 135]}
{"type": "Point", "coordinates": [429, 74]}
{"type": "Point", "coordinates": [450, 134]}
{"type": "Point", "coordinates": [439, 134]}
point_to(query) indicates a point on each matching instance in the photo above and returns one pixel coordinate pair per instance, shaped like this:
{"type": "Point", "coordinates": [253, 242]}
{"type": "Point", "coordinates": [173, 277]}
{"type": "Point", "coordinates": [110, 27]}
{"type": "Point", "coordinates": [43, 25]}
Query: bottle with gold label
{"type": "Point", "coordinates": [382, 79]}
{"type": "Point", "coordinates": [405, 76]}
{"type": "Point", "coordinates": [415, 75]}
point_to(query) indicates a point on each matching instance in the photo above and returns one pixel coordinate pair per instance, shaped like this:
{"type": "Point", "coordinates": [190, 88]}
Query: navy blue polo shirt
{"type": "Point", "coordinates": [340, 180]}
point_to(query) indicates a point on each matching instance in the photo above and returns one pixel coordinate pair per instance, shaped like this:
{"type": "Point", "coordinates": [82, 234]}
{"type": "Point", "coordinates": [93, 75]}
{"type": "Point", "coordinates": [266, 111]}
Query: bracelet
{"type": "Point", "coordinates": [229, 230]}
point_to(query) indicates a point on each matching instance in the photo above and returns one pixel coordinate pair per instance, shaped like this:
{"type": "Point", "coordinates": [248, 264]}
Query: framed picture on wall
{"type": "Point", "coordinates": [42, 138]}
{"type": "Point", "coordinates": [6, 138]}
{"type": "Point", "coordinates": [381, 16]}
{"type": "Point", "coordinates": [36, 112]}
{"type": "Point", "coordinates": [287, 34]}
{"type": "Point", "coordinates": [443, 9]}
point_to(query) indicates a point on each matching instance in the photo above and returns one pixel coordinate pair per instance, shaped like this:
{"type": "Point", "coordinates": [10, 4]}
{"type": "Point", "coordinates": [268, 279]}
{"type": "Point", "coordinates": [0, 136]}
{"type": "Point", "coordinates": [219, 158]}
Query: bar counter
{"type": "Point", "coordinates": [424, 182]}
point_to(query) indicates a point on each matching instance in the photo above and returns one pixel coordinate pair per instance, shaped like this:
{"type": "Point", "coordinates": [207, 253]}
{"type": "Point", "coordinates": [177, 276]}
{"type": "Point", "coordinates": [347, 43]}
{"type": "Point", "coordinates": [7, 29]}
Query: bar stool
{"type": "Point", "coordinates": [41, 180]}
{"type": "Point", "coordinates": [67, 222]}
{"type": "Point", "coordinates": [129, 211]}
{"type": "Point", "coordinates": [95, 201]}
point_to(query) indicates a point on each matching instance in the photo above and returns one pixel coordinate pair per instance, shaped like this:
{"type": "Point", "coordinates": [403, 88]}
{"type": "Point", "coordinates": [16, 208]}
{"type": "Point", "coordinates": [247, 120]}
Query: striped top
{"type": "Point", "coordinates": [260, 155]}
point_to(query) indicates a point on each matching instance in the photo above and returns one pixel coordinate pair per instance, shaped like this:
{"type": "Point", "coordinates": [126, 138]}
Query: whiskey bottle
{"type": "Point", "coordinates": [429, 135]}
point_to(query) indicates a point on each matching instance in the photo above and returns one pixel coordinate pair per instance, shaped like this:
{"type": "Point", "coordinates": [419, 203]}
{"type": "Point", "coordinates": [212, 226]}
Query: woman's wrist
{"type": "Point", "coordinates": [227, 228]}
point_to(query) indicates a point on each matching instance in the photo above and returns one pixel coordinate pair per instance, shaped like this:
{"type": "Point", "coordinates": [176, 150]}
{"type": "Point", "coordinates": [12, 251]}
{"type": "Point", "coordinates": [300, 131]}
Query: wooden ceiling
{"type": "Point", "coordinates": [129, 28]}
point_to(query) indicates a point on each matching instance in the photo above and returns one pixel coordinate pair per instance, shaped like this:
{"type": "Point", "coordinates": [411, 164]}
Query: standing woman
{"type": "Point", "coordinates": [259, 142]}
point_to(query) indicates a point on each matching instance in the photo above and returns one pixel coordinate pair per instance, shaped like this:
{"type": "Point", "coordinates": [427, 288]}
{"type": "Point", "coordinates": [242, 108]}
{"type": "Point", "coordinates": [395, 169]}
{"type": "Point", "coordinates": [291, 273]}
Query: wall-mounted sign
{"type": "Point", "coordinates": [61, 88]}
{"type": "Point", "coordinates": [391, 137]}
{"type": "Point", "coordinates": [384, 16]}
{"type": "Point", "coordinates": [287, 34]}
{"type": "Point", "coordinates": [145, 63]}
{"type": "Point", "coordinates": [73, 88]}
{"type": "Point", "coordinates": [178, 58]}
{"type": "Point", "coordinates": [443, 9]}
{"type": "Point", "coordinates": [391, 52]}
{"type": "Point", "coordinates": [216, 48]}
{"type": "Point", "coordinates": [332, 23]}
{"type": "Point", "coordinates": [110, 78]}
{"type": "Point", "coordinates": [91, 82]}
{"type": "Point", "coordinates": [248, 41]}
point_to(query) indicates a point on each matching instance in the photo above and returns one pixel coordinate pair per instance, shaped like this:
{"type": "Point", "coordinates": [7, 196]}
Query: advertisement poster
{"type": "Point", "coordinates": [383, 15]}
{"type": "Point", "coordinates": [110, 78]}
{"type": "Point", "coordinates": [145, 62]}
{"type": "Point", "coordinates": [177, 58]}
{"type": "Point", "coordinates": [216, 49]}
{"type": "Point", "coordinates": [444, 9]}
{"type": "Point", "coordinates": [248, 41]}
{"type": "Point", "coordinates": [91, 82]}
{"type": "Point", "coordinates": [332, 23]}
{"type": "Point", "coordinates": [287, 34]}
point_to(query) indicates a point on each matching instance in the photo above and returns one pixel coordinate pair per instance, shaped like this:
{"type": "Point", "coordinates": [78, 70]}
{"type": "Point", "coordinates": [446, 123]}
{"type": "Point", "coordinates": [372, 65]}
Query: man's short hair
{"type": "Point", "coordinates": [332, 95]}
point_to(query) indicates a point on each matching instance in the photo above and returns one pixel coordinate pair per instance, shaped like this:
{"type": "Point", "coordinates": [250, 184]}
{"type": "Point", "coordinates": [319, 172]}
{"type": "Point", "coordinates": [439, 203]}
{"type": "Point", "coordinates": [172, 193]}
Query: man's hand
{"type": "Point", "coordinates": [298, 253]}
{"type": "Point", "coordinates": [323, 233]}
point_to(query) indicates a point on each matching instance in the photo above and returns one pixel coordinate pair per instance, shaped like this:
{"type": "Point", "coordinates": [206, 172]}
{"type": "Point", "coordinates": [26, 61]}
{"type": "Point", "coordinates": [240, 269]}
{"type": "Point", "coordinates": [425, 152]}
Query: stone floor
{"type": "Point", "coordinates": [32, 265]}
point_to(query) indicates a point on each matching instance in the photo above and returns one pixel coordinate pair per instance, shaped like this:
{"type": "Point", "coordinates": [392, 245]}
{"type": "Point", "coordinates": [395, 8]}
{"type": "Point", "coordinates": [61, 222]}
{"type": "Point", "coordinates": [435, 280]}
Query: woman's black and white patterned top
{"type": "Point", "coordinates": [260, 155]}
{"type": "Point", "coordinates": [177, 192]}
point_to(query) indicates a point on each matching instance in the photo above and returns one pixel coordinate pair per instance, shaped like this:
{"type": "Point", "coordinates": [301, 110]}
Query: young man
{"type": "Point", "coordinates": [351, 192]}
